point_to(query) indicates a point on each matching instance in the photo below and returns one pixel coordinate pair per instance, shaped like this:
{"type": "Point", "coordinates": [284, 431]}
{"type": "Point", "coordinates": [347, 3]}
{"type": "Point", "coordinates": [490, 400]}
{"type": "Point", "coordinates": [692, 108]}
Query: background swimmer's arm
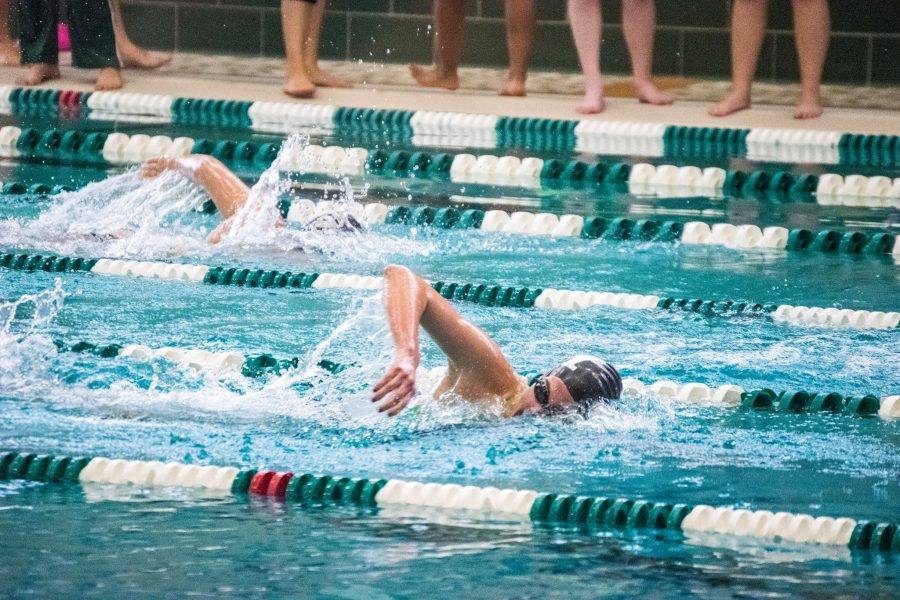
{"type": "Point", "coordinates": [472, 355]}
{"type": "Point", "coordinates": [225, 189]}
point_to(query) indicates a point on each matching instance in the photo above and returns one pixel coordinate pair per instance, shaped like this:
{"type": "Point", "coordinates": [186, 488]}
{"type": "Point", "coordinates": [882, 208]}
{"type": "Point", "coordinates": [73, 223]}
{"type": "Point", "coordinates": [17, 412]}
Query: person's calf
{"type": "Point", "coordinates": [10, 54]}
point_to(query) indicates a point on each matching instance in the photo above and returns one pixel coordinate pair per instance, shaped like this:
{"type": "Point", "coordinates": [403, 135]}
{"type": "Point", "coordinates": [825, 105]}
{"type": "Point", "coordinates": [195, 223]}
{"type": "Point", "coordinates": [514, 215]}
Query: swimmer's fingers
{"type": "Point", "coordinates": [398, 400]}
{"type": "Point", "coordinates": [153, 167]}
{"type": "Point", "coordinates": [390, 381]}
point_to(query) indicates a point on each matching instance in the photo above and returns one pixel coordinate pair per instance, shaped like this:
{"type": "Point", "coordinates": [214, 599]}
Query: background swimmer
{"type": "Point", "coordinates": [227, 191]}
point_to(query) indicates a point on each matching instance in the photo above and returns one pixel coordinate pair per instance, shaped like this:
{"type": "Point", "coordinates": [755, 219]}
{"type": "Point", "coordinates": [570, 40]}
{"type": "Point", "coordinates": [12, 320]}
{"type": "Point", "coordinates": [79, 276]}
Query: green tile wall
{"type": "Point", "coordinates": [692, 39]}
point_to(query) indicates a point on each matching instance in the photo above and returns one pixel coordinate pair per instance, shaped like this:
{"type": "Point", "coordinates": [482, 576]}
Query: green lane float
{"type": "Point", "coordinates": [542, 509]}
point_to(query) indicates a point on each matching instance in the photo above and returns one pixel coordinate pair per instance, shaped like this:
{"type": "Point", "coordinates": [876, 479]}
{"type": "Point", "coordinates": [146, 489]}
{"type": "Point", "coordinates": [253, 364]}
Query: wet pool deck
{"type": "Point", "coordinates": [551, 95]}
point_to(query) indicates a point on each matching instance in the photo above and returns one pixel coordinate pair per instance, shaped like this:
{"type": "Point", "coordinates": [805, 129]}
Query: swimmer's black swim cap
{"type": "Point", "coordinates": [589, 379]}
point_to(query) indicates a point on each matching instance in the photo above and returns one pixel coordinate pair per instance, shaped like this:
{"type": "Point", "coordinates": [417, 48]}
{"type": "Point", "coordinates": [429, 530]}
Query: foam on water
{"type": "Point", "coordinates": [123, 215]}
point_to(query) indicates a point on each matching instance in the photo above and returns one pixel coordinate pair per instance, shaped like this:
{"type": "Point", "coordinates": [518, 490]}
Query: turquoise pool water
{"type": "Point", "coordinates": [104, 541]}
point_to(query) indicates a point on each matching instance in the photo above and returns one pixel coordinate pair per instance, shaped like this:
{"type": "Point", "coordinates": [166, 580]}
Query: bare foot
{"type": "Point", "coordinates": [648, 93]}
{"type": "Point", "coordinates": [9, 54]}
{"type": "Point", "coordinates": [325, 79]}
{"type": "Point", "coordinates": [109, 78]}
{"type": "Point", "coordinates": [135, 57]}
{"type": "Point", "coordinates": [298, 85]}
{"type": "Point", "coordinates": [428, 77]}
{"type": "Point", "coordinates": [513, 86]}
{"type": "Point", "coordinates": [734, 102]}
{"type": "Point", "coordinates": [37, 74]}
{"type": "Point", "coordinates": [809, 106]}
{"type": "Point", "coordinates": [593, 101]}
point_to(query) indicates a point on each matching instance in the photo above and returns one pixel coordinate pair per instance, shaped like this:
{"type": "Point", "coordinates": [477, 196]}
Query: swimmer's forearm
{"type": "Point", "coordinates": [405, 301]}
{"type": "Point", "coordinates": [227, 191]}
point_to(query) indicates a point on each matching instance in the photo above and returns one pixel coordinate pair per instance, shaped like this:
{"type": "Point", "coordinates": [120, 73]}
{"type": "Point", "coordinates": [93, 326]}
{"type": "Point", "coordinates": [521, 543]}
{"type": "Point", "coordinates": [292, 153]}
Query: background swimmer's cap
{"type": "Point", "coordinates": [589, 379]}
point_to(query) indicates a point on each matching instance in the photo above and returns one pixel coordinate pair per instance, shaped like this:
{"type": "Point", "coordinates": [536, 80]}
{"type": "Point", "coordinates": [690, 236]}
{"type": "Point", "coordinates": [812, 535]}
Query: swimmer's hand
{"type": "Point", "coordinates": [154, 167]}
{"type": "Point", "coordinates": [397, 387]}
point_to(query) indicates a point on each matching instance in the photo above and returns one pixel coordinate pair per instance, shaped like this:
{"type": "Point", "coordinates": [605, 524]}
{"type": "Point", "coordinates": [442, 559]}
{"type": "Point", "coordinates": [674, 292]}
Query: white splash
{"type": "Point", "coordinates": [24, 351]}
{"type": "Point", "coordinates": [127, 216]}
{"type": "Point", "coordinates": [122, 215]}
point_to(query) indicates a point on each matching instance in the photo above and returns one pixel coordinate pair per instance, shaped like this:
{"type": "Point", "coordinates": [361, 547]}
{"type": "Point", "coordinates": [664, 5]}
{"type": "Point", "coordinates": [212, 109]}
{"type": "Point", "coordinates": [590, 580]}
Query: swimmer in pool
{"type": "Point", "coordinates": [226, 190]}
{"type": "Point", "coordinates": [477, 370]}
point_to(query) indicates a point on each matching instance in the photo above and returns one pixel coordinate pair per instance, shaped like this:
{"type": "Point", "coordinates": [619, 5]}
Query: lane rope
{"type": "Point", "coordinates": [744, 237]}
{"type": "Point", "coordinates": [485, 295]}
{"type": "Point", "coordinates": [464, 129]}
{"type": "Point", "coordinates": [591, 512]}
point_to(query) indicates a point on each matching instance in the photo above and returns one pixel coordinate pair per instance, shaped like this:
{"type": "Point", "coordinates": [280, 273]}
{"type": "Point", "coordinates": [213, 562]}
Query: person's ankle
{"type": "Point", "coordinates": [810, 92]}
{"type": "Point", "coordinates": [741, 89]}
{"type": "Point", "coordinates": [445, 72]}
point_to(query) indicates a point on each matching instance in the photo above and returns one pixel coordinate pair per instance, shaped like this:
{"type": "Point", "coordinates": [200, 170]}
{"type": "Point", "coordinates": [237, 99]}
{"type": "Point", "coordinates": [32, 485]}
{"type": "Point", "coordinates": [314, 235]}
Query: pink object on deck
{"type": "Point", "coordinates": [62, 36]}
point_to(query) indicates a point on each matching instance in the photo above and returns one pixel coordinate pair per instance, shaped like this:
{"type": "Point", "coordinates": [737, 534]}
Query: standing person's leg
{"type": "Point", "coordinates": [311, 57]}
{"type": "Point", "coordinates": [520, 20]}
{"type": "Point", "coordinates": [130, 53]}
{"type": "Point", "coordinates": [295, 17]}
{"type": "Point", "coordinates": [748, 26]}
{"type": "Point", "coordinates": [37, 37]}
{"type": "Point", "coordinates": [812, 28]}
{"type": "Point", "coordinates": [94, 42]}
{"type": "Point", "coordinates": [9, 49]}
{"type": "Point", "coordinates": [639, 25]}
{"type": "Point", "coordinates": [449, 22]}
{"type": "Point", "coordinates": [585, 19]}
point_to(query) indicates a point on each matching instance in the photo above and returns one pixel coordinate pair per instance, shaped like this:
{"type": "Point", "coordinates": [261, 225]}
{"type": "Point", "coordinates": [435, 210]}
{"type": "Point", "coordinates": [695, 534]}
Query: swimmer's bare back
{"type": "Point", "coordinates": [225, 189]}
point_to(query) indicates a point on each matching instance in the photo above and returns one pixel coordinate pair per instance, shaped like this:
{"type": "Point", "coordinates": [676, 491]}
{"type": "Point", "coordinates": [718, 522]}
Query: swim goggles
{"type": "Point", "coordinates": [542, 396]}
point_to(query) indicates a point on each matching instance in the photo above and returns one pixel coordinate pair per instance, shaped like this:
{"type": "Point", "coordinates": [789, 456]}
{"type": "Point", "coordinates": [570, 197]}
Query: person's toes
{"type": "Point", "coordinates": [808, 111]}
{"type": "Point", "coordinates": [300, 91]}
{"type": "Point", "coordinates": [657, 97]}
{"type": "Point", "coordinates": [591, 106]}
{"type": "Point", "coordinates": [145, 59]}
{"type": "Point", "coordinates": [423, 75]}
{"type": "Point", "coordinates": [326, 79]}
{"type": "Point", "coordinates": [108, 79]}
{"type": "Point", "coordinates": [729, 105]}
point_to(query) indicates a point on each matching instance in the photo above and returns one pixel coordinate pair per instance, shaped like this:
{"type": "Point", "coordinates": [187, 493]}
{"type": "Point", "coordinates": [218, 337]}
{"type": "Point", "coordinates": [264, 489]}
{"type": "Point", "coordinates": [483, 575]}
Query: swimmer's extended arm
{"type": "Point", "coordinates": [471, 353]}
{"type": "Point", "coordinates": [225, 189]}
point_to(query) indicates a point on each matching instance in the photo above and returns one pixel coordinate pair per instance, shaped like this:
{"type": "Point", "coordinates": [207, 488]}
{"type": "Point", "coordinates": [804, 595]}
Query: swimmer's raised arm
{"type": "Point", "coordinates": [225, 189]}
{"type": "Point", "coordinates": [472, 355]}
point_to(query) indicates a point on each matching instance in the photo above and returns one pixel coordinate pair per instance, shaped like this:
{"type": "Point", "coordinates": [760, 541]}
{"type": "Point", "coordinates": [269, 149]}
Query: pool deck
{"type": "Point", "coordinates": [383, 87]}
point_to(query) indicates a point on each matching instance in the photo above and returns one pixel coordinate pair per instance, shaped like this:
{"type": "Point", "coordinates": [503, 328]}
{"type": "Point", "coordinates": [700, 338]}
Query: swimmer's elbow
{"type": "Point", "coordinates": [395, 271]}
